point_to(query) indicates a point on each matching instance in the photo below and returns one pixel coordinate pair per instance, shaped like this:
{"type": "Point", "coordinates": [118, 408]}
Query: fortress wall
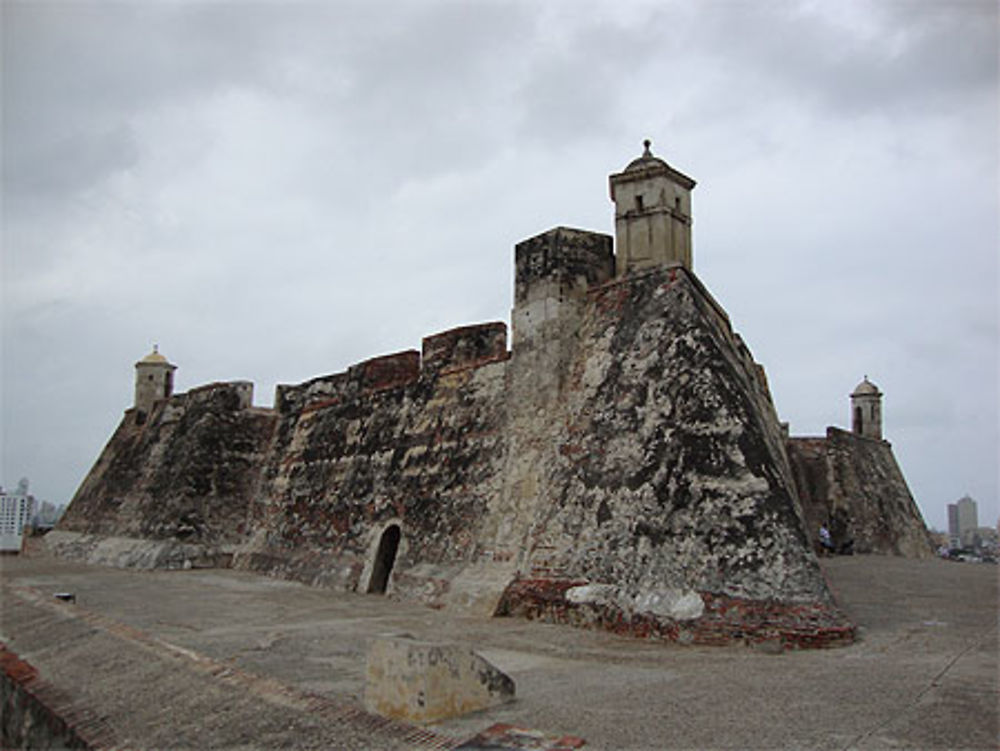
{"type": "Point", "coordinates": [622, 467]}
{"type": "Point", "coordinates": [812, 474]}
{"type": "Point", "coordinates": [553, 272]}
{"type": "Point", "coordinates": [348, 461]}
{"type": "Point", "coordinates": [662, 502]}
{"type": "Point", "coordinates": [855, 485]}
{"type": "Point", "coordinates": [185, 476]}
{"type": "Point", "coordinates": [669, 448]}
{"type": "Point", "coordinates": [230, 395]}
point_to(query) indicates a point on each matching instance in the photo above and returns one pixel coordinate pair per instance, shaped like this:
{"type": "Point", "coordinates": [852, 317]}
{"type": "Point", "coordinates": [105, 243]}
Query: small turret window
{"type": "Point", "coordinates": [638, 203]}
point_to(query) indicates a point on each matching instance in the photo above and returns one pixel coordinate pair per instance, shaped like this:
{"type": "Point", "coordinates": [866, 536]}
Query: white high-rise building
{"type": "Point", "coordinates": [963, 520]}
{"type": "Point", "coordinates": [16, 510]}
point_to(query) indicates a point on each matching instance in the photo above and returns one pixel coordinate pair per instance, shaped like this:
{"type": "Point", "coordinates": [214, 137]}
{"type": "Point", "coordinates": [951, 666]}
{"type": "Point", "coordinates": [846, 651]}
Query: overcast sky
{"type": "Point", "coordinates": [273, 191]}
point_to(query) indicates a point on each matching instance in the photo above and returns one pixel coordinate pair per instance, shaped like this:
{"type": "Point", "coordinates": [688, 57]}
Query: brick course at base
{"type": "Point", "coordinates": [725, 620]}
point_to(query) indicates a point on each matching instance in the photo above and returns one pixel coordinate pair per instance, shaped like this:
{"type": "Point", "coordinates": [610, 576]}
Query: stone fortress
{"type": "Point", "coordinates": [620, 466]}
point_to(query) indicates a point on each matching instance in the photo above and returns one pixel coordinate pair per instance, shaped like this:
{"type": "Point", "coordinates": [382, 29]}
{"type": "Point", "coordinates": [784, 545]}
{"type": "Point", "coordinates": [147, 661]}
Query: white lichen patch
{"type": "Point", "coordinates": [681, 605]}
{"type": "Point", "coordinates": [668, 602]}
{"type": "Point", "coordinates": [595, 368]}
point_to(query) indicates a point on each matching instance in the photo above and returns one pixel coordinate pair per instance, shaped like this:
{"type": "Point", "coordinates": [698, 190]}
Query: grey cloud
{"type": "Point", "coordinates": [274, 190]}
{"type": "Point", "coordinates": [578, 76]}
{"type": "Point", "coordinates": [920, 56]}
{"type": "Point", "coordinates": [64, 163]}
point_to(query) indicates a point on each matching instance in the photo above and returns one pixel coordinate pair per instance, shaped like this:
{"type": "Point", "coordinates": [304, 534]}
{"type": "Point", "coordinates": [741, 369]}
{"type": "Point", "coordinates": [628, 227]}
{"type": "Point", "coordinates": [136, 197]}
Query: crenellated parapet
{"type": "Point", "coordinates": [465, 347]}
{"type": "Point", "coordinates": [228, 395]}
{"type": "Point", "coordinates": [447, 352]}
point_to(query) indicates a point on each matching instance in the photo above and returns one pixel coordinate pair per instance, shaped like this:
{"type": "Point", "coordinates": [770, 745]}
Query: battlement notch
{"type": "Point", "coordinates": [465, 346]}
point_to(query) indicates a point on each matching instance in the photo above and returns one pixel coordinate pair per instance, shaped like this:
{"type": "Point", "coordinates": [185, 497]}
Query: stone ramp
{"type": "Point", "coordinates": [88, 670]}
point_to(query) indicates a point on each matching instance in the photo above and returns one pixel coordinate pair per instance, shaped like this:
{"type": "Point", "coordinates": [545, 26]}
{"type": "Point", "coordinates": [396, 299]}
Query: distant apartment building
{"type": "Point", "coordinates": [46, 514]}
{"type": "Point", "coordinates": [963, 522]}
{"type": "Point", "coordinates": [16, 510]}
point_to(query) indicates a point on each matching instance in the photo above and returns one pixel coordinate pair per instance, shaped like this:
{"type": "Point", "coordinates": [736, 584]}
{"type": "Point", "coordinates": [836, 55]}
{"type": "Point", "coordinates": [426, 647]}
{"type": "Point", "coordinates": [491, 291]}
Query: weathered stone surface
{"type": "Point", "coordinates": [133, 552]}
{"type": "Point", "coordinates": [423, 682]}
{"type": "Point", "coordinates": [655, 496]}
{"type": "Point", "coordinates": [854, 485]}
{"type": "Point", "coordinates": [185, 475]}
{"type": "Point", "coordinates": [666, 471]}
{"type": "Point", "coordinates": [348, 462]}
{"type": "Point", "coordinates": [465, 347]}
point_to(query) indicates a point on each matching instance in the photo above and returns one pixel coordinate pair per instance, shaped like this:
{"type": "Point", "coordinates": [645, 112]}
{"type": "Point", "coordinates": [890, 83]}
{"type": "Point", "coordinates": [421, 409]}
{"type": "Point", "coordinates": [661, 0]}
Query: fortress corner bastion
{"type": "Point", "coordinates": [619, 465]}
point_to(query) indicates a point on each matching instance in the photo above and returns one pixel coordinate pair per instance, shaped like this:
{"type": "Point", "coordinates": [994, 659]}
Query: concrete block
{"type": "Point", "coordinates": [424, 682]}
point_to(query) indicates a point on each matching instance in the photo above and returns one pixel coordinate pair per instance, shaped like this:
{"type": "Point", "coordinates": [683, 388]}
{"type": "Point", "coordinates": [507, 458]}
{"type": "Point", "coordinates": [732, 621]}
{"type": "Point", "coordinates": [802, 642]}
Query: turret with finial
{"type": "Point", "coordinates": [652, 214]}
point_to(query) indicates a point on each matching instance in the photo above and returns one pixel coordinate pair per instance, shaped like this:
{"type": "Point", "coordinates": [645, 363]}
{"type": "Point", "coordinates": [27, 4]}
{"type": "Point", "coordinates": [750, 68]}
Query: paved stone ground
{"type": "Point", "coordinates": [224, 659]}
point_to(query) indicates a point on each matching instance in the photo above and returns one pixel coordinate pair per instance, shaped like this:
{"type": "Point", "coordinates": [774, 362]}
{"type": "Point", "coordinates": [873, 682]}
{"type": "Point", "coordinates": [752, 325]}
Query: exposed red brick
{"type": "Point", "coordinates": [390, 371]}
{"type": "Point", "coordinates": [14, 667]}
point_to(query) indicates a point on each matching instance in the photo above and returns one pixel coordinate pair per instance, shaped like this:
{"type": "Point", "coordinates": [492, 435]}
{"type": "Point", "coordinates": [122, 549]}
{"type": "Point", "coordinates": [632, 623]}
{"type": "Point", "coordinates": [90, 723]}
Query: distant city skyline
{"type": "Point", "coordinates": [16, 509]}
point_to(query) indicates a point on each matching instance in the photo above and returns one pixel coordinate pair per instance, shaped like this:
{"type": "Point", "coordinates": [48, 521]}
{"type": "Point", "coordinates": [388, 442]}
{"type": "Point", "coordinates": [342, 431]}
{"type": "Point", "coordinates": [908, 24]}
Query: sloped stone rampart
{"type": "Point", "coordinates": [184, 475]}
{"type": "Point", "coordinates": [667, 470]}
{"type": "Point", "coordinates": [854, 485]}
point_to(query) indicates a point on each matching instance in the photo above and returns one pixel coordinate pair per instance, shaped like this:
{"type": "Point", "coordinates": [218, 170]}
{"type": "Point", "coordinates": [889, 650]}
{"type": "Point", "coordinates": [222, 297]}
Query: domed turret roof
{"type": "Point", "coordinates": [154, 358]}
{"type": "Point", "coordinates": [647, 166]}
{"type": "Point", "coordinates": [866, 388]}
{"type": "Point", "coordinates": [646, 160]}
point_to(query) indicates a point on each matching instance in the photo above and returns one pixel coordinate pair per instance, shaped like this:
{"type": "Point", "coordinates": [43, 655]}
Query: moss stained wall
{"type": "Point", "coordinates": [669, 470]}
{"type": "Point", "coordinates": [659, 499]}
{"type": "Point", "coordinates": [187, 472]}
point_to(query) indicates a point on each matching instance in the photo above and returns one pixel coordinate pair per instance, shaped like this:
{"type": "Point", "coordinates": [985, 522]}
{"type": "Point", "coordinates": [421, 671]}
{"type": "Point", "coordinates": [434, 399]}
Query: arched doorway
{"type": "Point", "coordinates": [385, 558]}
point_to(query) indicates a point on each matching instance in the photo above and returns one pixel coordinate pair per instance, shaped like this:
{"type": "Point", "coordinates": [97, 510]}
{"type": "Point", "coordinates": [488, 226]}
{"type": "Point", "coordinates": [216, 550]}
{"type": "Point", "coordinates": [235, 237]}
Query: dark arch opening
{"type": "Point", "coordinates": [858, 420]}
{"type": "Point", "coordinates": [385, 558]}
